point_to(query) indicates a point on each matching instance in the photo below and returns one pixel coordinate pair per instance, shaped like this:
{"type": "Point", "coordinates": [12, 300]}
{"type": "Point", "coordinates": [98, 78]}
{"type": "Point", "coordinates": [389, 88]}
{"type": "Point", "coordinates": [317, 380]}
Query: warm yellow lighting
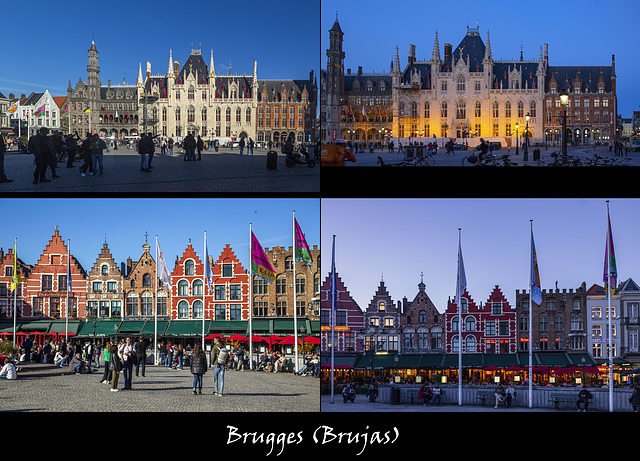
{"type": "Point", "coordinates": [564, 98]}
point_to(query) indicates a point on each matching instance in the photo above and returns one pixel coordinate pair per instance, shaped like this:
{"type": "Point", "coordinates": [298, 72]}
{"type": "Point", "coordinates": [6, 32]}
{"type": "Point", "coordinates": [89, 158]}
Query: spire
{"type": "Point", "coordinates": [212, 70]}
{"type": "Point", "coordinates": [140, 74]}
{"type": "Point", "coordinates": [396, 65]}
{"type": "Point", "coordinates": [487, 51]}
{"type": "Point", "coordinates": [170, 68]}
{"type": "Point", "coordinates": [436, 49]}
{"type": "Point", "coordinates": [521, 59]}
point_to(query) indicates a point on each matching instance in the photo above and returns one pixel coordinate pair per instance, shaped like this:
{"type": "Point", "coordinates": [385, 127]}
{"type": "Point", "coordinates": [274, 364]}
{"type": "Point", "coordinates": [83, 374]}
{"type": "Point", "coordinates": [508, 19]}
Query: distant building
{"type": "Point", "coordinates": [349, 331]}
{"type": "Point", "coordinates": [559, 323]}
{"type": "Point", "coordinates": [422, 324]}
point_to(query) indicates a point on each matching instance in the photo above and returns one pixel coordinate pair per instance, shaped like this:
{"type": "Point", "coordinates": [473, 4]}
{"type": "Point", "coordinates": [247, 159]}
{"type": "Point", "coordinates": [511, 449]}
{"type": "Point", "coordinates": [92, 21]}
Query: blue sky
{"type": "Point", "coordinates": [585, 33]}
{"type": "Point", "coordinates": [125, 221]}
{"type": "Point", "coordinates": [398, 239]}
{"type": "Point", "coordinates": [45, 43]}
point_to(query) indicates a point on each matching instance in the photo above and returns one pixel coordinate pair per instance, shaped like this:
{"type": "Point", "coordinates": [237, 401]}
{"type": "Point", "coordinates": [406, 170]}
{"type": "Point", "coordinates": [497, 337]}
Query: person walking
{"type": "Point", "coordinates": [200, 146]}
{"type": "Point", "coordinates": [251, 144]}
{"type": "Point", "coordinates": [3, 149]}
{"type": "Point", "coordinates": [141, 355]}
{"type": "Point", "coordinates": [151, 148]}
{"type": "Point", "coordinates": [241, 145]}
{"type": "Point", "coordinates": [220, 357]}
{"type": "Point", "coordinates": [143, 151]}
{"type": "Point", "coordinates": [189, 145]}
{"type": "Point", "coordinates": [41, 146]}
{"type": "Point", "coordinates": [85, 152]}
{"type": "Point", "coordinates": [127, 356]}
{"type": "Point", "coordinates": [198, 367]}
{"type": "Point", "coordinates": [115, 366]}
{"type": "Point", "coordinates": [97, 146]}
{"type": "Point", "coordinates": [170, 146]}
{"type": "Point", "coordinates": [106, 376]}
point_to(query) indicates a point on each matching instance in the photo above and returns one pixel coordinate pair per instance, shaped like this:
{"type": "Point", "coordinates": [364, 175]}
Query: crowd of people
{"type": "Point", "coordinates": [125, 357]}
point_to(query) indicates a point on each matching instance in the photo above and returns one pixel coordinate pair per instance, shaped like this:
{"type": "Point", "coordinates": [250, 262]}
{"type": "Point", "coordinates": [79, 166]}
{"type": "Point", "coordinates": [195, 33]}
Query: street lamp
{"type": "Point", "coordinates": [526, 138]}
{"type": "Point", "coordinates": [517, 138]}
{"type": "Point", "coordinates": [564, 101]}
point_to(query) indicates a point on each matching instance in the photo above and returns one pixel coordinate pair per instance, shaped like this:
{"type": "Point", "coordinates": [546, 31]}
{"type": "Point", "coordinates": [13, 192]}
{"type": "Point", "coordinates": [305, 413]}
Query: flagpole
{"type": "Point", "coordinates": [66, 326]}
{"type": "Point", "coordinates": [295, 315]}
{"type": "Point", "coordinates": [531, 320]}
{"type": "Point", "coordinates": [204, 283]}
{"type": "Point", "coordinates": [609, 237]}
{"type": "Point", "coordinates": [15, 292]}
{"type": "Point", "coordinates": [250, 299]}
{"type": "Point", "coordinates": [459, 323]}
{"type": "Point", "coordinates": [333, 310]}
{"type": "Point", "coordinates": [155, 322]}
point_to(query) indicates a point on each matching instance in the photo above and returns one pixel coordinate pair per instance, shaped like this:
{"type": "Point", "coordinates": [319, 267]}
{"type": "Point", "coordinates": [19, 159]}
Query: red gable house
{"type": "Point", "coordinates": [229, 299]}
{"type": "Point", "coordinates": [187, 286]}
{"type": "Point", "coordinates": [349, 319]}
{"type": "Point", "coordinates": [45, 291]}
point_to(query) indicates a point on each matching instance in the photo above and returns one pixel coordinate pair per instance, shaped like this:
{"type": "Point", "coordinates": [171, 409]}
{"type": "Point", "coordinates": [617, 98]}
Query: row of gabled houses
{"type": "Point", "coordinates": [567, 321]}
{"type": "Point", "coordinates": [130, 291]}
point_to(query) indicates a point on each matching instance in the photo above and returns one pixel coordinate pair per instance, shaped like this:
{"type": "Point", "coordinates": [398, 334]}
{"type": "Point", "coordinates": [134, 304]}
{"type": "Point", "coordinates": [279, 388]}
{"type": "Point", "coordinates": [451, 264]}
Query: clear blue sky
{"type": "Point", "coordinates": [586, 33]}
{"type": "Point", "coordinates": [400, 238]}
{"type": "Point", "coordinates": [125, 221]}
{"type": "Point", "coordinates": [45, 44]}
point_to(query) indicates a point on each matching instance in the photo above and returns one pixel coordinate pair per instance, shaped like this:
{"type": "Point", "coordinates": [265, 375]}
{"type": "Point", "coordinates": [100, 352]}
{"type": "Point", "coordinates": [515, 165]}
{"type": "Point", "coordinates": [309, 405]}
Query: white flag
{"type": "Point", "coordinates": [13, 108]}
{"type": "Point", "coordinates": [163, 271]}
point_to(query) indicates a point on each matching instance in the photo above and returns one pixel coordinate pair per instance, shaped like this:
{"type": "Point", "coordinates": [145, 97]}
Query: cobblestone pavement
{"type": "Point", "coordinates": [441, 159]}
{"type": "Point", "coordinates": [223, 171]}
{"type": "Point", "coordinates": [161, 390]}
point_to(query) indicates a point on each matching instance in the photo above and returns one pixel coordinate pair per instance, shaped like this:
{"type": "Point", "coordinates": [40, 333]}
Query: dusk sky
{"type": "Point", "coordinates": [45, 43]}
{"type": "Point", "coordinates": [399, 238]}
{"type": "Point", "coordinates": [124, 222]}
{"type": "Point", "coordinates": [585, 33]}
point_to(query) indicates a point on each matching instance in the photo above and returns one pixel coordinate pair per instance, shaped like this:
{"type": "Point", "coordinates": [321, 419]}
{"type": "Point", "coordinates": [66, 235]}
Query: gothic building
{"type": "Point", "coordinates": [110, 110]}
{"type": "Point", "coordinates": [465, 94]}
{"type": "Point", "coordinates": [195, 99]}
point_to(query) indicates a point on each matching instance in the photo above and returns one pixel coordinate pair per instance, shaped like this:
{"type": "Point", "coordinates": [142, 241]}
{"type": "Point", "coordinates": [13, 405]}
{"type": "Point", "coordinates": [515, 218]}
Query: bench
{"type": "Point", "coordinates": [558, 397]}
{"type": "Point", "coordinates": [483, 394]}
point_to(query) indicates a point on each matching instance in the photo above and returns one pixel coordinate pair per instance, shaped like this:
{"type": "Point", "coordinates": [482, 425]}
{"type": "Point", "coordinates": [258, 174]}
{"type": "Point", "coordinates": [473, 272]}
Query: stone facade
{"type": "Point", "coordinates": [559, 323]}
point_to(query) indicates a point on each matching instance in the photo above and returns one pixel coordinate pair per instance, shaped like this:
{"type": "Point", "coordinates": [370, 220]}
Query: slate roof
{"type": "Point", "coordinates": [350, 79]}
{"type": "Point", "coordinates": [589, 76]}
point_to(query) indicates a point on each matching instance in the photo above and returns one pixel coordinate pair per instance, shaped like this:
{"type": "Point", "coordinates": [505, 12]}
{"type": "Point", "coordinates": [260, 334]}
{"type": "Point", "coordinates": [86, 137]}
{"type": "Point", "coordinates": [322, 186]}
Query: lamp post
{"type": "Point", "coordinates": [564, 101]}
{"type": "Point", "coordinates": [517, 139]}
{"type": "Point", "coordinates": [526, 138]}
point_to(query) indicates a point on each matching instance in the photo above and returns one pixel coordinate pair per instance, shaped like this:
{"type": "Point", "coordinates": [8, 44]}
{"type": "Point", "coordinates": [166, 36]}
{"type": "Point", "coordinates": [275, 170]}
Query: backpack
{"type": "Point", "coordinates": [223, 356]}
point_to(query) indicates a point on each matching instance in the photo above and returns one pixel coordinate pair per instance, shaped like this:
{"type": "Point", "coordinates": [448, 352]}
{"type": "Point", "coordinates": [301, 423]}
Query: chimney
{"type": "Point", "coordinates": [546, 54]}
{"type": "Point", "coordinates": [359, 70]}
{"type": "Point", "coordinates": [412, 54]}
{"type": "Point", "coordinates": [447, 51]}
{"type": "Point", "coordinates": [176, 68]}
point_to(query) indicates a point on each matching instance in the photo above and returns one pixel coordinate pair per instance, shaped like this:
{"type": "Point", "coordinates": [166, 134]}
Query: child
{"type": "Point", "coordinates": [8, 370]}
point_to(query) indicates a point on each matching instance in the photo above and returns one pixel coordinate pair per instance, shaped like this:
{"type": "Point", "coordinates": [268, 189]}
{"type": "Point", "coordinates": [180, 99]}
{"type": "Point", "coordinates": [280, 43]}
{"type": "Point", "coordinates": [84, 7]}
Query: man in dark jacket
{"type": "Point", "coordinates": [72, 148]}
{"type": "Point", "coordinates": [219, 358]}
{"type": "Point", "coordinates": [200, 146]}
{"type": "Point", "coordinates": [143, 150]}
{"type": "Point", "coordinates": [86, 155]}
{"type": "Point", "coordinates": [3, 149]}
{"type": "Point", "coordinates": [151, 148]}
{"type": "Point", "coordinates": [141, 354]}
{"type": "Point", "coordinates": [583, 397]}
{"type": "Point", "coordinates": [42, 147]}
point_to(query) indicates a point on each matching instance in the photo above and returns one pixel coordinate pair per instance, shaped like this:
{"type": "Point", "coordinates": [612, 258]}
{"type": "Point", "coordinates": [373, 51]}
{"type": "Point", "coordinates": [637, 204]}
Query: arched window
{"type": "Point", "coordinates": [414, 109]}
{"type": "Point", "coordinates": [189, 267]}
{"type": "Point", "coordinates": [470, 344]}
{"type": "Point", "coordinates": [422, 317]}
{"type": "Point", "coordinates": [228, 114]}
{"type": "Point", "coordinates": [177, 114]}
{"type": "Point", "coordinates": [443, 109]}
{"type": "Point", "coordinates": [469, 324]}
{"type": "Point", "coordinates": [197, 308]}
{"type": "Point", "coordinates": [496, 110]}
{"type": "Point", "coordinates": [191, 93]}
{"type": "Point", "coordinates": [183, 309]}
{"type": "Point", "coordinates": [238, 115]}
{"type": "Point", "coordinates": [478, 109]}
{"type": "Point", "coordinates": [520, 109]}
{"type": "Point", "coordinates": [461, 109]}
{"type": "Point", "coordinates": [532, 108]}
{"type": "Point", "coordinates": [426, 109]}
{"type": "Point", "coordinates": [248, 115]}
{"type": "Point", "coordinates": [507, 109]}
{"type": "Point", "coordinates": [197, 288]}
{"type": "Point", "coordinates": [191, 114]}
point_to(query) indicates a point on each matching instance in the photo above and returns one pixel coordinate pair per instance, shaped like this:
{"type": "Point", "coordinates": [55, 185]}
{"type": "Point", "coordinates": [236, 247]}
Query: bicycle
{"type": "Point", "coordinates": [474, 160]}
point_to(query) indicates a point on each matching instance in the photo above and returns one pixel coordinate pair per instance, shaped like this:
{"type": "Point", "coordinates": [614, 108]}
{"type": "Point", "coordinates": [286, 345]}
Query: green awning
{"type": "Point", "coordinates": [185, 328]}
{"type": "Point", "coordinates": [60, 326]}
{"type": "Point", "coordinates": [431, 361]}
{"type": "Point", "coordinates": [102, 328]}
{"type": "Point", "coordinates": [37, 325]}
{"type": "Point", "coordinates": [409, 361]}
{"type": "Point", "coordinates": [228, 326]}
{"type": "Point", "coordinates": [500, 360]}
{"type": "Point", "coordinates": [378, 361]}
{"type": "Point", "coordinates": [149, 327]}
{"type": "Point", "coordinates": [576, 358]}
{"type": "Point", "coordinates": [131, 326]}
{"type": "Point", "coordinates": [553, 359]}
{"type": "Point", "coordinates": [468, 361]}
{"type": "Point", "coordinates": [339, 361]}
